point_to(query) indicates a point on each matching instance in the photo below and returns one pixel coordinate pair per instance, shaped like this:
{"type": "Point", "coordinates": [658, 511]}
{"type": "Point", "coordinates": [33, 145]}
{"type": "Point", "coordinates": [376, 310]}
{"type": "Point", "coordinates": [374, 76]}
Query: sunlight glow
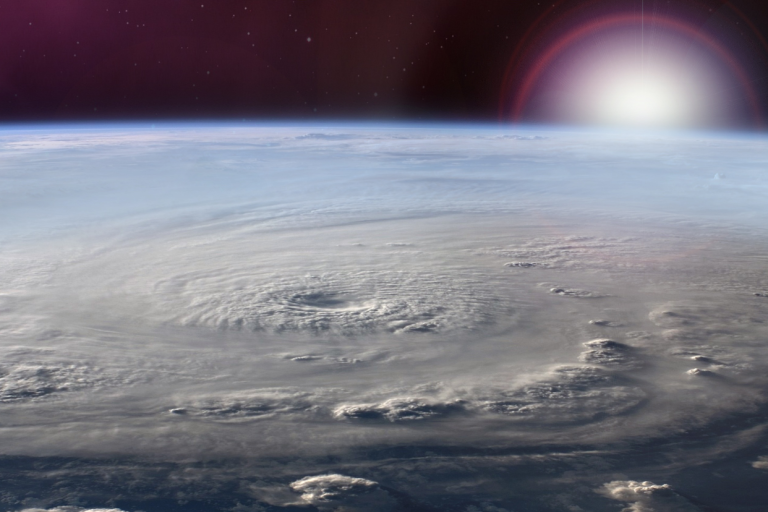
{"type": "Point", "coordinates": [605, 71]}
{"type": "Point", "coordinates": [641, 100]}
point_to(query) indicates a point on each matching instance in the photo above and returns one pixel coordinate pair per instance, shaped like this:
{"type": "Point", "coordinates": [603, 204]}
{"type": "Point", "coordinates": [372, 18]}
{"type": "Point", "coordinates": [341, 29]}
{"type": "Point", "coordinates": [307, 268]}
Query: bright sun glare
{"type": "Point", "coordinates": [645, 99]}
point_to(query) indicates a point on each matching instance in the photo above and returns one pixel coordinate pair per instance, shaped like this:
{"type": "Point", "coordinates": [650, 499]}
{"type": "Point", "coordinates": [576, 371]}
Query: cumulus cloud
{"type": "Point", "coordinates": [568, 394]}
{"type": "Point", "coordinates": [647, 497]}
{"type": "Point", "coordinates": [340, 492]}
{"type": "Point", "coordinates": [324, 488]}
{"type": "Point", "coordinates": [698, 321]}
{"type": "Point", "coordinates": [608, 353]}
{"type": "Point", "coordinates": [698, 372]}
{"type": "Point", "coordinates": [713, 358]}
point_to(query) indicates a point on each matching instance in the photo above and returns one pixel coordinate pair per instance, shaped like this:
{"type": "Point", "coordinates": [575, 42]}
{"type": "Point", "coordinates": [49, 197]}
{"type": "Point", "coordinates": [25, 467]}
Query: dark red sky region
{"type": "Point", "coordinates": [324, 59]}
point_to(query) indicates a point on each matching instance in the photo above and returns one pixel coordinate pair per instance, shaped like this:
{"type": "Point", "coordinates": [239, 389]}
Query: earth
{"type": "Point", "coordinates": [382, 317]}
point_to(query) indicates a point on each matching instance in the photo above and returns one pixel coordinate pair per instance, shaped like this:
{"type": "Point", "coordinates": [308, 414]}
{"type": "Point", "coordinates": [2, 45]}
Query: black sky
{"type": "Point", "coordinates": [396, 59]}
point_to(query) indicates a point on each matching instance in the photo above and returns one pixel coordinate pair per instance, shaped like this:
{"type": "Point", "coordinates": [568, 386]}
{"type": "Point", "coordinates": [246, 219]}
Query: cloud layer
{"type": "Point", "coordinates": [380, 319]}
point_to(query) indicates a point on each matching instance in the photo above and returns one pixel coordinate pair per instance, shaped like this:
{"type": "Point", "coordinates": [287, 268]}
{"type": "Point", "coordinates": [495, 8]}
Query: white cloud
{"type": "Point", "coordinates": [340, 492]}
{"type": "Point", "coordinates": [347, 302]}
{"type": "Point", "coordinates": [568, 394]}
{"type": "Point", "coordinates": [322, 488]}
{"type": "Point", "coordinates": [646, 497]}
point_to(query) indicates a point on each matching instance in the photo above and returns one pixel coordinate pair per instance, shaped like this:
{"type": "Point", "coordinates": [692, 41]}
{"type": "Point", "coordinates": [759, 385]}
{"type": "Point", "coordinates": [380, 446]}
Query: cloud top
{"type": "Point", "coordinates": [646, 496]}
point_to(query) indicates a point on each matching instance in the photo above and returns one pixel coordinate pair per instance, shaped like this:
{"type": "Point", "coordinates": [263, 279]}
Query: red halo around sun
{"type": "Point", "coordinates": [519, 87]}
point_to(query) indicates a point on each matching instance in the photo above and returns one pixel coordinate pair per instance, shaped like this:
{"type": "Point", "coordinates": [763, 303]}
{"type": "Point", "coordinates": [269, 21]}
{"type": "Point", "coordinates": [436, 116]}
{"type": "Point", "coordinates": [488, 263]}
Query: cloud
{"type": "Point", "coordinates": [324, 488]}
{"type": "Point", "coordinates": [608, 353]}
{"type": "Point", "coordinates": [697, 321]}
{"type": "Point", "coordinates": [346, 303]}
{"type": "Point", "coordinates": [566, 395]}
{"type": "Point", "coordinates": [327, 136]}
{"type": "Point", "coordinates": [30, 381]}
{"type": "Point", "coordinates": [646, 497]}
{"type": "Point", "coordinates": [572, 292]}
{"type": "Point", "coordinates": [239, 281]}
{"type": "Point", "coordinates": [761, 462]}
{"type": "Point", "coordinates": [340, 492]}
{"type": "Point", "coordinates": [252, 405]}
{"type": "Point", "coordinates": [565, 252]}
{"type": "Point", "coordinates": [399, 409]}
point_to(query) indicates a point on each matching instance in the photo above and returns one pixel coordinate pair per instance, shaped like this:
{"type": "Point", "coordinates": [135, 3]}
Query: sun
{"type": "Point", "coordinates": [629, 69]}
{"type": "Point", "coordinates": [642, 99]}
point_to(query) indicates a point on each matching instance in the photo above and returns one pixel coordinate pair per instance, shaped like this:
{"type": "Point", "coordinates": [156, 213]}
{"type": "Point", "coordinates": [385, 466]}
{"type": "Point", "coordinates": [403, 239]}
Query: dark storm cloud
{"type": "Point", "coordinates": [398, 410]}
